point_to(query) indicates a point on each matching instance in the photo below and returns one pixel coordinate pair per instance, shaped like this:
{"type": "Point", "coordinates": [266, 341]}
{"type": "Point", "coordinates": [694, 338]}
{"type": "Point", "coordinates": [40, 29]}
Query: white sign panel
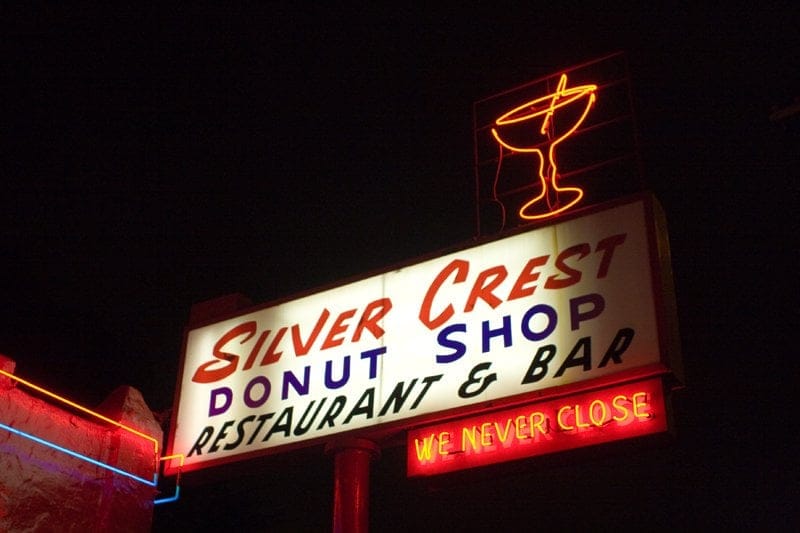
{"type": "Point", "coordinates": [552, 306]}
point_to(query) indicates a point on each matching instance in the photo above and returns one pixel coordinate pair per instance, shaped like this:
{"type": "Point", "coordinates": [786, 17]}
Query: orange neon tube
{"type": "Point", "coordinates": [84, 409]}
{"type": "Point", "coordinates": [545, 108]}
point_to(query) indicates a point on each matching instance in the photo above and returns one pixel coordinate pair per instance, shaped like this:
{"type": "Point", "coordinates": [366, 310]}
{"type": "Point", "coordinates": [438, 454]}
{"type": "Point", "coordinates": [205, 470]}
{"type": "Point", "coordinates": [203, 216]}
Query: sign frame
{"type": "Point", "coordinates": [663, 298]}
{"type": "Point", "coordinates": [562, 424]}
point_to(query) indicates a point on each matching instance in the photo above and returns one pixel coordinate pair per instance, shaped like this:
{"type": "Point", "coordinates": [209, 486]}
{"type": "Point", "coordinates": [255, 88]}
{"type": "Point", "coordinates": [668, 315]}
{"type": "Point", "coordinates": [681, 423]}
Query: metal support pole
{"type": "Point", "coordinates": [351, 483]}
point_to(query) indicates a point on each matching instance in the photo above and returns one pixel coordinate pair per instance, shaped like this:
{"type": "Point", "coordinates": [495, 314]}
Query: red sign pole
{"type": "Point", "coordinates": [351, 483]}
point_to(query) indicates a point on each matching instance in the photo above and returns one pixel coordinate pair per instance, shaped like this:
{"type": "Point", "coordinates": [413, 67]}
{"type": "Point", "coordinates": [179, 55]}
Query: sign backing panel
{"type": "Point", "coordinates": [585, 419]}
{"type": "Point", "coordinates": [555, 305]}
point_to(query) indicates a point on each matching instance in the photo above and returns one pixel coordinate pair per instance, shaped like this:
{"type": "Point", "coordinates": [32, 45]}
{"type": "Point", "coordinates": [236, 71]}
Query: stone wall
{"type": "Point", "coordinates": [47, 489]}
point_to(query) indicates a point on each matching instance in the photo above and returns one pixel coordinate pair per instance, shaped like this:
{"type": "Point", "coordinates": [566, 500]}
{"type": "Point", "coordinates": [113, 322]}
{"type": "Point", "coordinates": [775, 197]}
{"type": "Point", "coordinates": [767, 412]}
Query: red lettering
{"type": "Point", "coordinates": [487, 281]}
{"type": "Point", "coordinates": [299, 347]}
{"type": "Point", "coordinates": [205, 375]}
{"type": "Point", "coordinates": [573, 276]}
{"type": "Point", "coordinates": [272, 356]}
{"type": "Point", "coordinates": [338, 328]}
{"type": "Point", "coordinates": [461, 268]}
{"type": "Point", "coordinates": [607, 246]}
{"type": "Point", "coordinates": [225, 363]}
{"type": "Point", "coordinates": [370, 322]}
{"type": "Point", "coordinates": [257, 348]}
{"type": "Point", "coordinates": [488, 284]}
{"type": "Point", "coordinates": [528, 275]}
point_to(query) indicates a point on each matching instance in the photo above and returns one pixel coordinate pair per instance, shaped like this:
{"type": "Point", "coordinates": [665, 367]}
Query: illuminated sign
{"type": "Point", "coordinates": [586, 419]}
{"type": "Point", "coordinates": [176, 458]}
{"type": "Point", "coordinates": [539, 116]}
{"type": "Point", "coordinates": [555, 143]}
{"type": "Point", "coordinates": [551, 306]}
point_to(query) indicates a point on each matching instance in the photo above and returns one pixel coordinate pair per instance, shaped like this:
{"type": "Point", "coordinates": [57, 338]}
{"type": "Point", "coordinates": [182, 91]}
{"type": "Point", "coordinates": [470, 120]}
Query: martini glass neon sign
{"type": "Point", "coordinates": [545, 109]}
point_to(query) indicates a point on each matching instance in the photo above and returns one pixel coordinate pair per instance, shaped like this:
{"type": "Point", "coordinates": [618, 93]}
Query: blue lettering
{"type": "Point", "coordinates": [248, 399]}
{"type": "Point", "coordinates": [458, 347]}
{"type": "Point", "coordinates": [372, 355]}
{"type": "Point", "coordinates": [214, 408]}
{"type": "Point", "coordinates": [576, 316]}
{"type": "Point", "coordinates": [552, 320]}
{"type": "Point", "coordinates": [504, 330]}
{"type": "Point", "coordinates": [290, 379]}
{"type": "Point", "coordinates": [332, 383]}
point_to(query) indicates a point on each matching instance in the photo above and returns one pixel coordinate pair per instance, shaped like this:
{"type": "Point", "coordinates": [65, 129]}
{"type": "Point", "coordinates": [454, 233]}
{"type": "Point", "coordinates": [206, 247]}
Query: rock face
{"type": "Point", "coordinates": [43, 488]}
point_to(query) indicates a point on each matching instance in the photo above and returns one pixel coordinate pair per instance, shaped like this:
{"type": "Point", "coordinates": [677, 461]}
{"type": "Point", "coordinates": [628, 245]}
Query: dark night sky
{"type": "Point", "coordinates": [156, 159]}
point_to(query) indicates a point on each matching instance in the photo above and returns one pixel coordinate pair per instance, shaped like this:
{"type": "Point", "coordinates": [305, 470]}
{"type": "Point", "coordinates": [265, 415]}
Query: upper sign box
{"type": "Point", "coordinates": [500, 322]}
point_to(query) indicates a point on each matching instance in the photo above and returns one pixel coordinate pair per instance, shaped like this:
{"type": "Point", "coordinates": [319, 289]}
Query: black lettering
{"type": "Point", "coordinates": [333, 411]}
{"type": "Point", "coordinates": [368, 401]}
{"type": "Point", "coordinates": [223, 432]}
{"type": "Point", "coordinates": [466, 390]}
{"type": "Point", "coordinates": [583, 345]}
{"type": "Point", "coordinates": [620, 343]}
{"type": "Point", "coordinates": [538, 368]}
{"type": "Point", "coordinates": [261, 419]}
{"type": "Point", "coordinates": [397, 397]}
{"type": "Point", "coordinates": [299, 428]}
{"type": "Point", "coordinates": [240, 432]}
{"type": "Point", "coordinates": [428, 381]}
{"type": "Point", "coordinates": [202, 440]}
{"type": "Point", "coordinates": [284, 423]}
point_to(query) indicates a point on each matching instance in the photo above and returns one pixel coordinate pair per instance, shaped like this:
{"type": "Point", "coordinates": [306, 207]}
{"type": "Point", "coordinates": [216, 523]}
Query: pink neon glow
{"type": "Point", "coordinates": [583, 419]}
{"type": "Point", "coordinates": [94, 414]}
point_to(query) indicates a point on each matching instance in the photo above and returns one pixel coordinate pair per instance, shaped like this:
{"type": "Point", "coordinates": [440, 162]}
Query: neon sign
{"type": "Point", "coordinates": [157, 461]}
{"type": "Point", "coordinates": [77, 455]}
{"type": "Point", "coordinates": [547, 307]}
{"type": "Point", "coordinates": [616, 413]}
{"type": "Point", "coordinates": [553, 199]}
